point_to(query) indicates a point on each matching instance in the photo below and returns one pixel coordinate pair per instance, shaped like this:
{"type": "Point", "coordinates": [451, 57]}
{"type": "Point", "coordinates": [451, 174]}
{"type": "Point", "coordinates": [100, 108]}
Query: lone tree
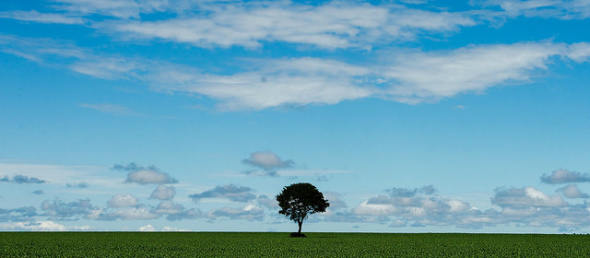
{"type": "Point", "coordinates": [299, 200]}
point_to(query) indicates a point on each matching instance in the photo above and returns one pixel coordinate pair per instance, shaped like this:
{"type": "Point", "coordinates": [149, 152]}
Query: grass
{"type": "Point", "coordinates": [228, 244]}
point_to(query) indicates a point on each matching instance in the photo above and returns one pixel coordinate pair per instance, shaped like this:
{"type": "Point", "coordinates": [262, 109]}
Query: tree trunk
{"type": "Point", "coordinates": [300, 223]}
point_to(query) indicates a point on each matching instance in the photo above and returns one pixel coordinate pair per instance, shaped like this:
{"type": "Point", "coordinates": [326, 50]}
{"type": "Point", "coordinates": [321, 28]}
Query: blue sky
{"type": "Point", "coordinates": [410, 115]}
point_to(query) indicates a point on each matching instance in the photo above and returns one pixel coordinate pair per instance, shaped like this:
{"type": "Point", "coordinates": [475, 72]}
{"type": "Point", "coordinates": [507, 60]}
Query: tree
{"type": "Point", "coordinates": [297, 201]}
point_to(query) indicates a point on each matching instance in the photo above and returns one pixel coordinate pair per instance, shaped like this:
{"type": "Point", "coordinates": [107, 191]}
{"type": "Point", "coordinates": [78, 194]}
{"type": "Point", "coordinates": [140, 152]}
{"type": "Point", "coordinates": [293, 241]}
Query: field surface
{"type": "Point", "coordinates": [169, 244]}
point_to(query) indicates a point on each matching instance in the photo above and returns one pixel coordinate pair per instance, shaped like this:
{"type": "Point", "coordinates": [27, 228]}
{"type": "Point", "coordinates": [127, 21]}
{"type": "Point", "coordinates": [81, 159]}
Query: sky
{"type": "Point", "coordinates": [192, 115]}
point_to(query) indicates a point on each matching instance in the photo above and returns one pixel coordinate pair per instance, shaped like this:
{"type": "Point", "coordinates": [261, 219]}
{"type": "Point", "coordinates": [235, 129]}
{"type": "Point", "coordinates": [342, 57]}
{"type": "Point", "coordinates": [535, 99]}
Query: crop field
{"type": "Point", "coordinates": [214, 244]}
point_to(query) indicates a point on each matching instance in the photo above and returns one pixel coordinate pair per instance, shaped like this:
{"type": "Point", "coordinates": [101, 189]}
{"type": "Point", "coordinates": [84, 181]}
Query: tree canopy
{"type": "Point", "coordinates": [299, 200]}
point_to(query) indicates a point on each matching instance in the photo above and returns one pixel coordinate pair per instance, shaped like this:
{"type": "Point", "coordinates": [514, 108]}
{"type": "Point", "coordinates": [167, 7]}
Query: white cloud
{"type": "Point", "coordinates": [430, 76]}
{"type": "Point", "coordinates": [572, 191]}
{"type": "Point", "coordinates": [332, 25]}
{"type": "Point", "coordinates": [107, 67]}
{"type": "Point", "coordinates": [336, 201]}
{"type": "Point", "coordinates": [147, 228]}
{"type": "Point", "coordinates": [18, 214]}
{"type": "Point", "coordinates": [405, 192]}
{"type": "Point", "coordinates": [40, 49]}
{"type": "Point", "coordinates": [457, 206]}
{"type": "Point", "coordinates": [22, 179]}
{"type": "Point", "coordinates": [408, 75]}
{"type": "Point", "coordinates": [175, 211]}
{"type": "Point", "coordinates": [97, 214]}
{"type": "Point", "coordinates": [525, 198]}
{"type": "Point", "coordinates": [248, 212]}
{"type": "Point", "coordinates": [579, 52]}
{"type": "Point", "coordinates": [519, 206]}
{"type": "Point", "coordinates": [562, 9]}
{"type": "Point", "coordinates": [35, 16]}
{"type": "Point", "coordinates": [149, 176]}
{"type": "Point", "coordinates": [134, 214]}
{"type": "Point", "coordinates": [115, 8]}
{"type": "Point", "coordinates": [267, 161]}
{"type": "Point", "coordinates": [563, 176]}
{"type": "Point", "coordinates": [269, 203]}
{"type": "Point", "coordinates": [185, 214]}
{"type": "Point", "coordinates": [150, 228]}
{"type": "Point", "coordinates": [30, 57]}
{"type": "Point", "coordinates": [276, 83]}
{"type": "Point", "coordinates": [67, 55]}
{"type": "Point", "coordinates": [366, 208]}
{"type": "Point", "coordinates": [249, 92]}
{"type": "Point", "coordinates": [168, 207]}
{"type": "Point", "coordinates": [163, 192]}
{"type": "Point", "coordinates": [232, 192]}
{"type": "Point", "coordinates": [50, 173]}
{"type": "Point", "coordinates": [60, 210]}
{"type": "Point", "coordinates": [415, 204]}
{"type": "Point", "coordinates": [33, 226]}
{"type": "Point", "coordinates": [120, 200]}
{"type": "Point", "coordinates": [173, 229]}
{"type": "Point", "coordinates": [80, 185]}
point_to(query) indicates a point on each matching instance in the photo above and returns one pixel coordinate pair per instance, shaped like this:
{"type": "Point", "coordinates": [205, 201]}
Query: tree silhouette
{"type": "Point", "coordinates": [299, 200]}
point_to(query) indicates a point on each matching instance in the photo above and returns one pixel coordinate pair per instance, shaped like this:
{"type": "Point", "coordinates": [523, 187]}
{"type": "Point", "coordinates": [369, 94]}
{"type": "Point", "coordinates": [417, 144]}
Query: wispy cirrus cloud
{"type": "Point", "coordinates": [411, 76]}
{"type": "Point", "coordinates": [66, 55]}
{"type": "Point", "coordinates": [561, 9]}
{"type": "Point", "coordinates": [431, 76]}
{"type": "Point", "coordinates": [331, 25]}
{"type": "Point", "coordinates": [70, 176]}
{"type": "Point", "coordinates": [290, 82]}
{"type": "Point", "coordinates": [114, 8]}
{"type": "Point", "coordinates": [34, 16]}
{"type": "Point", "coordinates": [408, 76]}
{"type": "Point", "coordinates": [107, 67]}
{"type": "Point", "coordinates": [110, 109]}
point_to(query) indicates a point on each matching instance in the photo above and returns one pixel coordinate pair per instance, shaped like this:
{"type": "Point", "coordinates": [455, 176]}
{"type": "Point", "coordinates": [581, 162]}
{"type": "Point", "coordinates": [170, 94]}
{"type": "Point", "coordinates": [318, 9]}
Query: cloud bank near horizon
{"type": "Point", "coordinates": [398, 207]}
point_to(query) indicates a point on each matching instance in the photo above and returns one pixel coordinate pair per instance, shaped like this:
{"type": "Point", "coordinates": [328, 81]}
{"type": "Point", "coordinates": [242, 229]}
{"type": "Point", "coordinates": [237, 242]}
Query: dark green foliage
{"type": "Point", "coordinates": [297, 201]}
{"type": "Point", "coordinates": [208, 244]}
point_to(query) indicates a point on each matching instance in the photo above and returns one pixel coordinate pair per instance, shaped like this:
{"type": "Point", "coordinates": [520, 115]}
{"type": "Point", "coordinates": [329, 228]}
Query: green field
{"type": "Point", "coordinates": [169, 244]}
